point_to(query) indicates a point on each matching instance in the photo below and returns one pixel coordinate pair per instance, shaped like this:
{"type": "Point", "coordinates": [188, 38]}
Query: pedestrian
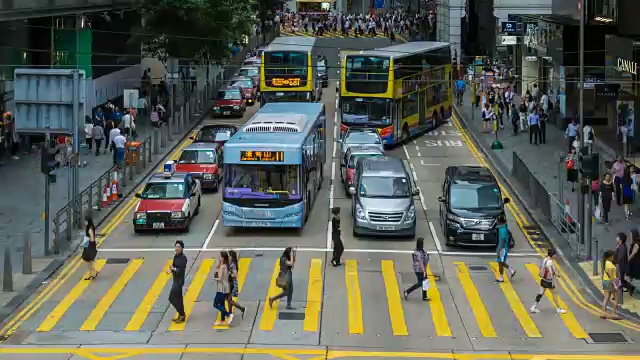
{"type": "Point", "coordinates": [420, 261]}
{"type": "Point", "coordinates": [621, 260]}
{"type": "Point", "coordinates": [98, 135]}
{"type": "Point", "coordinates": [503, 249]}
{"type": "Point", "coordinates": [178, 269]}
{"type": "Point", "coordinates": [544, 118]}
{"type": "Point", "coordinates": [634, 255]}
{"type": "Point", "coordinates": [90, 248]}
{"type": "Point", "coordinates": [607, 192]}
{"type": "Point", "coordinates": [487, 116]}
{"type": "Point", "coordinates": [223, 289]}
{"type": "Point", "coordinates": [478, 95]}
{"type": "Point", "coordinates": [336, 237]}
{"type": "Point", "coordinates": [626, 184]}
{"type": "Point", "coordinates": [534, 127]}
{"type": "Point", "coordinates": [88, 133]}
{"type": "Point", "coordinates": [609, 284]}
{"type": "Point", "coordinates": [571, 133]}
{"type": "Point", "coordinates": [548, 276]}
{"type": "Point", "coordinates": [618, 171]}
{"type": "Point", "coordinates": [235, 290]}
{"type": "Point", "coordinates": [285, 277]}
{"type": "Point", "coordinates": [515, 119]}
{"type": "Point", "coordinates": [119, 143]}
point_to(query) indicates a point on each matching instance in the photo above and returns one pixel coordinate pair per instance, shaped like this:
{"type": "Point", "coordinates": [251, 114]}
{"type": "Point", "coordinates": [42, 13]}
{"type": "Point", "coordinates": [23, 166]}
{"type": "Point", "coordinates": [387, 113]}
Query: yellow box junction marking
{"type": "Point", "coordinates": [568, 318]}
{"type": "Point", "coordinates": [478, 308]}
{"type": "Point", "coordinates": [268, 319]}
{"type": "Point", "coordinates": [194, 290]}
{"type": "Point", "coordinates": [438, 315]}
{"type": "Point", "coordinates": [243, 270]}
{"type": "Point", "coordinates": [143, 310]}
{"type": "Point", "coordinates": [516, 304]}
{"type": "Point", "coordinates": [394, 301]}
{"type": "Point", "coordinates": [314, 297]}
{"type": "Point", "coordinates": [64, 305]}
{"type": "Point", "coordinates": [354, 298]}
{"type": "Point", "coordinates": [107, 300]}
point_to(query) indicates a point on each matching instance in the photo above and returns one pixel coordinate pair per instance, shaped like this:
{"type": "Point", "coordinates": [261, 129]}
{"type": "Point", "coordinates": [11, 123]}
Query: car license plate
{"type": "Point", "coordinates": [385, 227]}
{"type": "Point", "coordinates": [226, 113]}
{"type": "Point", "coordinates": [158, 225]}
{"type": "Point", "coordinates": [477, 236]}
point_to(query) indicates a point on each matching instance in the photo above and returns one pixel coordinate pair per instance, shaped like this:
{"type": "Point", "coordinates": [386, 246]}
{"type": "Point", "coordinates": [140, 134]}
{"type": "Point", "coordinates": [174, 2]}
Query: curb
{"type": "Point", "coordinates": [591, 290]}
{"type": "Point", "coordinates": [57, 263]}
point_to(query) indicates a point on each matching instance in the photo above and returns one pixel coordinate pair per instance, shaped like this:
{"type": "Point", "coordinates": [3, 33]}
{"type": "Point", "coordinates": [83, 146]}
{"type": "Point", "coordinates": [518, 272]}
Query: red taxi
{"type": "Point", "coordinates": [351, 158]}
{"type": "Point", "coordinates": [229, 101]}
{"type": "Point", "coordinates": [203, 161]}
{"type": "Point", "coordinates": [249, 89]}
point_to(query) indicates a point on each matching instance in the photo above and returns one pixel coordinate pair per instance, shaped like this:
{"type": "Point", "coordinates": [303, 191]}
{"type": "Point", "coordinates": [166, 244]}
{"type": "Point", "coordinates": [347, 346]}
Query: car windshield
{"type": "Point", "coordinates": [353, 159]}
{"type": "Point", "coordinates": [198, 157]}
{"type": "Point", "coordinates": [214, 134]}
{"type": "Point", "coordinates": [164, 191]}
{"type": "Point", "coordinates": [362, 137]}
{"type": "Point", "coordinates": [229, 95]}
{"type": "Point", "coordinates": [384, 187]}
{"type": "Point", "coordinates": [475, 196]}
{"type": "Point", "coordinates": [249, 72]}
{"type": "Point", "coordinates": [265, 181]}
{"type": "Point", "coordinates": [242, 83]}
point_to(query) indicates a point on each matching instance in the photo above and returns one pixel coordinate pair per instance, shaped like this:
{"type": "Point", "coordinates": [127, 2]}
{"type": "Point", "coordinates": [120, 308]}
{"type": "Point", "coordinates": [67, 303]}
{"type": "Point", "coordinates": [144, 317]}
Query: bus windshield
{"type": "Point", "coordinates": [366, 111]}
{"type": "Point", "coordinates": [367, 74]}
{"type": "Point", "coordinates": [286, 63]}
{"type": "Point", "coordinates": [262, 181]}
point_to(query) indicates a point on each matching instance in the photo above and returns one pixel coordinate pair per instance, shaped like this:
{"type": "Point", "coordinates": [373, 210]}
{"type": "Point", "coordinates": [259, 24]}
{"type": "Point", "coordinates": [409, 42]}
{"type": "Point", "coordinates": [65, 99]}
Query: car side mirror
{"type": "Point", "coordinates": [415, 192]}
{"type": "Point", "coordinates": [352, 190]}
{"type": "Point", "coordinates": [192, 138]}
{"type": "Point", "coordinates": [506, 200]}
{"type": "Point", "coordinates": [138, 195]}
{"type": "Point", "coordinates": [440, 199]}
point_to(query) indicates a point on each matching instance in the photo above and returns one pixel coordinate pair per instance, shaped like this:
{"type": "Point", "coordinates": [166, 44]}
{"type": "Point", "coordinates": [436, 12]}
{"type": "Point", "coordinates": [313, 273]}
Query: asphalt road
{"type": "Point", "coordinates": [355, 311]}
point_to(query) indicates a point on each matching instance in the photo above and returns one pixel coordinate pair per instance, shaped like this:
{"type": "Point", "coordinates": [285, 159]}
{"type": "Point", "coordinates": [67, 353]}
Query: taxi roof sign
{"type": "Point", "coordinates": [169, 169]}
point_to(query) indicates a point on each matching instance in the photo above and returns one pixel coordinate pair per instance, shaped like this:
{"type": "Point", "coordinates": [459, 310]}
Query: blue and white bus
{"type": "Point", "coordinates": [273, 166]}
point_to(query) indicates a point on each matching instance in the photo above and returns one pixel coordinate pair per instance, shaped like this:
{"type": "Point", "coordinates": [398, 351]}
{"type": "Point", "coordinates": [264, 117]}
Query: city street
{"type": "Point", "coordinates": [352, 312]}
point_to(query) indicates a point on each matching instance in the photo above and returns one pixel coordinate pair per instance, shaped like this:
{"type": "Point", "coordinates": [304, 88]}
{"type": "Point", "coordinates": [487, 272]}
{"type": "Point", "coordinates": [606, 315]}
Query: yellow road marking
{"type": "Point", "coordinates": [139, 317]}
{"type": "Point", "coordinates": [268, 319]}
{"type": "Point", "coordinates": [440, 321]}
{"type": "Point", "coordinates": [314, 297]}
{"type": "Point", "coordinates": [243, 270]}
{"type": "Point", "coordinates": [354, 297]}
{"type": "Point", "coordinates": [62, 307]}
{"type": "Point", "coordinates": [107, 300]}
{"type": "Point", "coordinates": [516, 305]}
{"type": "Point", "coordinates": [394, 302]}
{"type": "Point", "coordinates": [194, 290]}
{"type": "Point", "coordinates": [478, 308]}
{"type": "Point", "coordinates": [568, 318]}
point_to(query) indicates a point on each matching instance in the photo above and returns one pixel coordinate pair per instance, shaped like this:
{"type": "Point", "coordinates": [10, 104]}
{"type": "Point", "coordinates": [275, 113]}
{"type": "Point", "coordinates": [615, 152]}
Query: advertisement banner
{"type": "Point", "coordinates": [626, 118]}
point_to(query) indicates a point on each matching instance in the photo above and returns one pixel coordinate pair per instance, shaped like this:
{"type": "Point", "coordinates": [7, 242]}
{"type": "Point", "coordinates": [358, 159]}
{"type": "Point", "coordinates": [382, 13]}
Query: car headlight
{"type": "Point", "coordinates": [411, 214]}
{"type": "Point", "coordinates": [453, 218]}
{"type": "Point", "coordinates": [360, 215]}
{"type": "Point", "coordinates": [177, 214]}
{"type": "Point", "coordinates": [236, 107]}
{"type": "Point", "coordinates": [141, 216]}
{"type": "Point", "coordinates": [216, 108]}
{"type": "Point", "coordinates": [207, 177]}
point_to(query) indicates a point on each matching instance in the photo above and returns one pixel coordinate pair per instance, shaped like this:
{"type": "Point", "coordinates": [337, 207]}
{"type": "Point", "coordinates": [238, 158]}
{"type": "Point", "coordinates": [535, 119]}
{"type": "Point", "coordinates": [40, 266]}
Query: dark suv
{"type": "Point", "coordinates": [470, 204]}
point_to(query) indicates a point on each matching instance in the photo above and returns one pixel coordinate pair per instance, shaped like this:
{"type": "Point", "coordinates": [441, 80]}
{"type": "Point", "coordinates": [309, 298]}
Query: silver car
{"type": "Point", "coordinates": [360, 136]}
{"type": "Point", "coordinates": [382, 194]}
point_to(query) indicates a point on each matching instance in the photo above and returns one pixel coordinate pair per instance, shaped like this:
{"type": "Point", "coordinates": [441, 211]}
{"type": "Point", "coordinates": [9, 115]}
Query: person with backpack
{"type": "Point", "coordinates": [336, 234]}
{"type": "Point", "coordinates": [548, 275]}
{"type": "Point", "coordinates": [503, 249]}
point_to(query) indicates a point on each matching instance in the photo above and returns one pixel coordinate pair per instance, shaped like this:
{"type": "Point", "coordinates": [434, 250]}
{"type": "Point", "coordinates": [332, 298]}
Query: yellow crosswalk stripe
{"type": "Point", "coordinates": [516, 305]}
{"type": "Point", "coordinates": [243, 270]}
{"type": "Point", "coordinates": [139, 317]}
{"type": "Point", "coordinates": [107, 300]}
{"type": "Point", "coordinates": [62, 307]}
{"type": "Point", "coordinates": [193, 291]}
{"type": "Point", "coordinates": [396, 314]}
{"type": "Point", "coordinates": [354, 297]}
{"type": "Point", "coordinates": [437, 309]}
{"type": "Point", "coordinates": [478, 308]}
{"type": "Point", "coordinates": [314, 297]}
{"type": "Point", "coordinates": [568, 318]}
{"type": "Point", "coordinates": [268, 319]}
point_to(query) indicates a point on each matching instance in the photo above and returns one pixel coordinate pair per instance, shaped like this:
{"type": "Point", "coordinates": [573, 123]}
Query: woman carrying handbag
{"type": "Point", "coordinates": [285, 278]}
{"type": "Point", "coordinates": [222, 276]}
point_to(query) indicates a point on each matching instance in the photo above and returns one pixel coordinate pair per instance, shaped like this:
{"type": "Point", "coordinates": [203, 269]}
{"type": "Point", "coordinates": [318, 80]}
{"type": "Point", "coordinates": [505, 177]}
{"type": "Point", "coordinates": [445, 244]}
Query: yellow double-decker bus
{"type": "Point", "coordinates": [288, 71]}
{"type": "Point", "coordinates": [402, 90]}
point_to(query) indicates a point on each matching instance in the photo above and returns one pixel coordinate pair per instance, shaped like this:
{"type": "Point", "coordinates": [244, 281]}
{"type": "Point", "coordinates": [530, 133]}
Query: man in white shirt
{"type": "Point", "coordinates": [544, 101]}
{"type": "Point", "coordinates": [589, 137]}
{"type": "Point", "coordinates": [127, 123]}
{"type": "Point", "coordinates": [112, 146]}
{"type": "Point", "coordinates": [119, 143]}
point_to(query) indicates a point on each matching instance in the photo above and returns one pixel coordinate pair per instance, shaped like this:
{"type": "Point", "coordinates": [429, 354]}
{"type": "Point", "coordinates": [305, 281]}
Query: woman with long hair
{"type": "Point", "coordinates": [634, 255]}
{"type": "Point", "coordinates": [626, 184]}
{"type": "Point", "coordinates": [420, 262]}
{"type": "Point", "coordinates": [608, 286]}
{"type": "Point", "coordinates": [222, 276]}
{"type": "Point", "coordinates": [233, 283]}
{"type": "Point", "coordinates": [90, 247]}
{"type": "Point", "coordinates": [285, 277]}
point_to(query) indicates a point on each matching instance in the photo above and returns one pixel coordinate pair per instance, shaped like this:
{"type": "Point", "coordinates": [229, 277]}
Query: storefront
{"type": "Point", "coordinates": [542, 56]}
{"type": "Point", "coordinates": [313, 5]}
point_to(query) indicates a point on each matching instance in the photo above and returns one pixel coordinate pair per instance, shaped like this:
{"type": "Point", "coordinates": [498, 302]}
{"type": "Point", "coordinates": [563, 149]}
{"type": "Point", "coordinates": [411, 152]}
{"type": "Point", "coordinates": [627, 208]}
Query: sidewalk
{"type": "Point", "coordinates": [544, 163]}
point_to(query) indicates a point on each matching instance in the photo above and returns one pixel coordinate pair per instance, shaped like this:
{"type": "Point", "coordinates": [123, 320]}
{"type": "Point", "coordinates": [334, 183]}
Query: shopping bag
{"type": "Point", "coordinates": [598, 214]}
{"type": "Point", "coordinates": [425, 284]}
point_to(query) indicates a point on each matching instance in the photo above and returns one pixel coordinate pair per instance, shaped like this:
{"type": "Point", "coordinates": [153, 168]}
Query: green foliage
{"type": "Point", "coordinates": [195, 29]}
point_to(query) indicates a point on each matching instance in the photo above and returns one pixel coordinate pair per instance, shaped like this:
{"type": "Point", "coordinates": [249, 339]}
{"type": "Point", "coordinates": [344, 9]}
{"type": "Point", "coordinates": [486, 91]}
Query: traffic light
{"type": "Point", "coordinates": [335, 6]}
{"type": "Point", "coordinates": [48, 160]}
{"type": "Point", "coordinates": [590, 165]}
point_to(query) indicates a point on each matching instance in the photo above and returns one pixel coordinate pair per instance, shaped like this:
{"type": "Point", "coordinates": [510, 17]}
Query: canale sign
{"type": "Point", "coordinates": [627, 66]}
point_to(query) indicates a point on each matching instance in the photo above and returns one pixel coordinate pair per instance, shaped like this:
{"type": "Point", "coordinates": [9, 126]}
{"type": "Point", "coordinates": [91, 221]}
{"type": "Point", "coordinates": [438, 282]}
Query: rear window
{"type": "Point", "coordinates": [470, 196]}
{"type": "Point", "coordinates": [229, 95]}
{"type": "Point", "coordinates": [215, 134]}
{"type": "Point", "coordinates": [242, 83]}
{"type": "Point", "coordinates": [353, 160]}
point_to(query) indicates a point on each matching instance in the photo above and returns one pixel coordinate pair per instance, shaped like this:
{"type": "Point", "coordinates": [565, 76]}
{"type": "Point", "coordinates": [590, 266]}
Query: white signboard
{"type": "Point", "coordinates": [130, 98]}
{"type": "Point", "coordinates": [508, 40]}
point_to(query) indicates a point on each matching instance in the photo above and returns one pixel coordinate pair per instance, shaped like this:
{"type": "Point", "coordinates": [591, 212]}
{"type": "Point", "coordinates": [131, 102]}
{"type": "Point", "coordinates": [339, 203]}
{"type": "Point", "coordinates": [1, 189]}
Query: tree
{"type": "Point", "coordinates": [195, 29]}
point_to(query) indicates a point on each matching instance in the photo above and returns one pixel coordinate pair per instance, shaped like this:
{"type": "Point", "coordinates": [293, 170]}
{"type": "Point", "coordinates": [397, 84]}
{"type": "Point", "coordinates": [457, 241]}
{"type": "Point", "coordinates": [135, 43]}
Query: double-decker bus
{"type": "Point", "coordinates": [273, 166]}
{"type": "Point", "coordinates": [288, 71]}
{"type": "Point", "coordinates": [402, 90]}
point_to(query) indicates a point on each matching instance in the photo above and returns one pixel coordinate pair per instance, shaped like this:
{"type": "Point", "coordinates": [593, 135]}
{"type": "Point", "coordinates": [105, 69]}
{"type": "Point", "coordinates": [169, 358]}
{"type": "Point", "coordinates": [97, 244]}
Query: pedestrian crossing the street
{"type": "Point", "coordinates": [334, 35]}
{"type": "Point", "coordinates": [131, 295]}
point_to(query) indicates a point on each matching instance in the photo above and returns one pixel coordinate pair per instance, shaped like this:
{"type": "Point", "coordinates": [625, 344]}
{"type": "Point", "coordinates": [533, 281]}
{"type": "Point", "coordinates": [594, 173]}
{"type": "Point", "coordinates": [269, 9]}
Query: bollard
{"type": "Point", "coordinates": [139, 160]}
{"type": "Point", "coordinates": [26, 254]}
{"type": "Point", "coordinates": [156, 141]}
{"type": "Point", "coordinates": [164, 134]}
{"type": "Point", "coordinates": [122, 174]}
{"type": "Point", "coordinates": [7, 273]}
{"type": "Point", "coordinates": [130, 165]}
{"type": "Point", "coordinates": [176, 121]}
{"type": "Point", "coordinates": [181, 121]}
{"type": "Point", "coordinates": [149, 151]}
{"type": "Point", "coordinates": [189, 117]}
{"type": "Point", "coordinates": [89, 203]}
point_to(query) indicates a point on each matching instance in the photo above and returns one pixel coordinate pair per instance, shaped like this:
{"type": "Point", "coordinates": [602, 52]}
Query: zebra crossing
{"type": "Point", "coordinates": [130, 295]}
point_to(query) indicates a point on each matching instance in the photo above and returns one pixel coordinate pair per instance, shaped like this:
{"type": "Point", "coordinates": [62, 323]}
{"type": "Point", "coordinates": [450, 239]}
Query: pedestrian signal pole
{"type": "Point", "coordinates": [581, 194]}
{"type": "Point", "coordinates": [48, 163]}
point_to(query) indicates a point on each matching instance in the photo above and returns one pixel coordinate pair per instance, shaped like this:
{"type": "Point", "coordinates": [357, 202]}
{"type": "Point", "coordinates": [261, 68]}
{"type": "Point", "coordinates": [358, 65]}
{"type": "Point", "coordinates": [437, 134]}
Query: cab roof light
{"type": "Point", "coordinates": [169, 169]}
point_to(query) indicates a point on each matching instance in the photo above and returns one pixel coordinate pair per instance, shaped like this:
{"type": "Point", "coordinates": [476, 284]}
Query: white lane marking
{"type": "Point", "coordinates": [333, 178]}
{"type": "Point", "coordinates": [406, 153]}
{"type": "Point", "coordinates": [414, 143]}
{"type": "Point", "coordinates": [423, 164]}
{"type": "Point", "coordinates": [417, 148]}
{"type": "Point", "coordinates": [335, 128]}
{"type": "Point", "coordinates": [436, 240]}
{"type": "Point", "coordinates": [279, 249]}
{"type": "Point", "coordinates": [210, 236]}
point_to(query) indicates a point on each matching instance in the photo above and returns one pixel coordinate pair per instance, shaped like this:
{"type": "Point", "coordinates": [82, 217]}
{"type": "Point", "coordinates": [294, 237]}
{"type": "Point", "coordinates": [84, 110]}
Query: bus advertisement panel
{"type": "Point", "coordinates": [401, 90]}
{"type": "Point", "coordinates": [273, 166]}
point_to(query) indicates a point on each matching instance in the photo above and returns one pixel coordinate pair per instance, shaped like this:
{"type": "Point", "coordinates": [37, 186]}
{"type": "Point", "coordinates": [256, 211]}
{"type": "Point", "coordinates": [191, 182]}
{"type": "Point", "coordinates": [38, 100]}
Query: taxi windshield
{"type": "Point", "coordinates": [249, 72]}
{"type": "Point", "coordinates": [164, 191]}
{"type": "Point", "coordinates": [214, 134]}
{"type": "Point", "coordinates": [229, 95]}
{"type": "Point", "coordinates": [242, 83]}
{"type": "Point", "coordinates": [353, 160]}
{"type": "Point", "coordinates": [197, 157]}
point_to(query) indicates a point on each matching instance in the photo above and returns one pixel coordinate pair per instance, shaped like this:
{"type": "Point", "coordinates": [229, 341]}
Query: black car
{"type": "Point", "coordinates": [219, 134]}
{"type": "Point", "coordinates": [323, 73]}
{"type": "Point", "coordinates": [470, 204]}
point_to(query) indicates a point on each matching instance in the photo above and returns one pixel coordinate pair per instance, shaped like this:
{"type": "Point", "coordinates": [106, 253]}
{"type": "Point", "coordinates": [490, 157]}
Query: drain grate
{"type": "Point", "coordinates": [118, 261]}
{"type": "Point", "coordinates": [478, 268]}
{"type": "Point", "coordinates": [608, 338]}
{"type": "Point", "coordinates": [290, 316]}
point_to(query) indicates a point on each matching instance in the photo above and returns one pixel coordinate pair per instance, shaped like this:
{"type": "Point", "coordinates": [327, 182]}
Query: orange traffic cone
{"type": "Point", "coordinates": [117, 185]}
{"type": "Point", "coordinates": [105, 199]}
{"type": "Point", "coordinates": [108, 194]}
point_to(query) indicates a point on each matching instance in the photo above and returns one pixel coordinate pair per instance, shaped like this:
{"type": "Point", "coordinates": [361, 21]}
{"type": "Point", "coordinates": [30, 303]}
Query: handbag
{"type": "Point", "coordinates": [85, 241]}
{"type": "Point", "coordinates": [598, 214]}
{"type": "Point", "coordinates": [617, 283]}
{"type": "Point", "coordinates": [425, 284]}
{"type": "Point", "coordinates": [282, 281]}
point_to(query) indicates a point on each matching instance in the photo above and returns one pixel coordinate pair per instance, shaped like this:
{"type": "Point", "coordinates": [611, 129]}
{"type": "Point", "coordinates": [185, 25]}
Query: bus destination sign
{"type": "Point", "coordinates": [273, 156]}
{"type": "Point", "coordinates": [288, 82]}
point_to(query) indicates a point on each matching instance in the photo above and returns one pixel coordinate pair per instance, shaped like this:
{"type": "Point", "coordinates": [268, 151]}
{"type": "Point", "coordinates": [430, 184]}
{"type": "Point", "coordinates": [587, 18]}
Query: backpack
{"type": "Point", "coordinates": [543, 272]}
